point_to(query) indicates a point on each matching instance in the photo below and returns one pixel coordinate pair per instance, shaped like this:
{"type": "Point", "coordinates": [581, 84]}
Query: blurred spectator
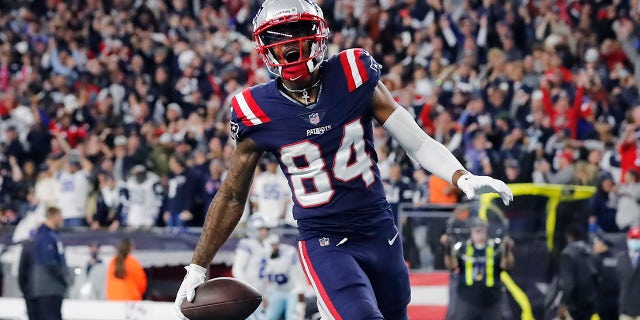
{"type": "Point", "coordinates": [270, 193]}
{"type": "Point", "coordinates": [442, 191]}
{"type": "Point", "coordinates": [12, 145]}
{"type": "Point", "coordinates": [73, 192]}
{"type": "Point", "coordinates": [629, 277]}
{"type": "Point", "coordinates": [479, 261]}
{"type": "Point", "coordinates": [398, 190]}
{"type": "Point", "coordinates": [126, 279]}
{"type": "Point", "coordinates": [50, 275]}
{"type": "Point", "coordinates": [608, 286]}
{"type": "Point", "coordinates": [578, 276]}
{"type": "Point", "coordinates": [628, 143]}
{"type": "Point", "coordinates": [212, 182]}
{"type": "Point", "coordinates": [142, 198]}
{"type": "Point", "coordinates": [108, 207]}
{"type": "Point", "coordinates": [180, 195]}
{"type": "Point", "coordinates": [565, 173]}
{"type": "Point", "coordinates": [96, 274]}
{"type": "Point", "coordinates": [604, 203]}
{"type": "Point", "coordinates": [478, 151]}
{"type": "Point", "coordinates": [421, 192]}
{"type": "Point", "coordinates": [628, 213]}
{"type": "Point", "coordinates": [588, 172]}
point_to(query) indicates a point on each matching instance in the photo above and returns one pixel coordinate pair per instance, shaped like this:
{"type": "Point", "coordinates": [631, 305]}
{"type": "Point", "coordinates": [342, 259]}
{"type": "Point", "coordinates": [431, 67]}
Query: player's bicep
{"type": "Point", "coordinates": [383, 103]}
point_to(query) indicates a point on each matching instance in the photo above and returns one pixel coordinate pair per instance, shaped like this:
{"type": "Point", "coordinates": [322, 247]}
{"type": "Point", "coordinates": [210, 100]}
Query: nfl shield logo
{"type": "Point", "coordinates": [324, 241]}
{"type": "Point", "coordinates": [314, 118]}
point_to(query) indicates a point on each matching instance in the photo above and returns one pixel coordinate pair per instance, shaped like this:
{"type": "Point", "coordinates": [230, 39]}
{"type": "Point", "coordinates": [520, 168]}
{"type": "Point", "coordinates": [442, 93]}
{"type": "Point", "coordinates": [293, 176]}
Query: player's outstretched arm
{"type": "Point", "coordinates": [222, 217]}
{"type": "Point", "coordinates": [429, 153]}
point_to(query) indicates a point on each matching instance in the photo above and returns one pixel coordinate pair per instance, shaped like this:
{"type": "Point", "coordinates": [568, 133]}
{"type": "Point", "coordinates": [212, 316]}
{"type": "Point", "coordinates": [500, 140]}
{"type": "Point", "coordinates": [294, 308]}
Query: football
{"type": "Point", "coordinates": [222, 299]}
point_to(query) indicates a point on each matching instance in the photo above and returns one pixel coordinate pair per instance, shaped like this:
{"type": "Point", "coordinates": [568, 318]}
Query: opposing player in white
{"type": "Point", "coordinates": [251, 256]}
{"type": "Point", "coordinates": [285, 283]}
{"type": "Point", "coordinates": [270, 194]}
{"type": "Point", "coordinates": [142, 198]}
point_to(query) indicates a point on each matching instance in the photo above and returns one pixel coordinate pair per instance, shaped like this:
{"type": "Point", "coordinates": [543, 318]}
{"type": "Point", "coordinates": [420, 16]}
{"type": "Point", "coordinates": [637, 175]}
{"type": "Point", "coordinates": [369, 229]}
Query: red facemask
{"type": "Point", "coordinates": [296, 72]}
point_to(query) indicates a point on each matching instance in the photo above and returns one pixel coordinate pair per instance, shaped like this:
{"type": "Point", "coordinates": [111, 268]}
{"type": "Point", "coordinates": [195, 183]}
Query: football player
{"type": "Point", "coordinates": [316, 117]}
{"type": "Point", "coordinates": [285, 282]}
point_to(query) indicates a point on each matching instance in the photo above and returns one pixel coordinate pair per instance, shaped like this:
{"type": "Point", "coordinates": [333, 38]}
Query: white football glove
{"type": "Point", "coordinates": [195, 276]}
{"type": "Point", "coordinates": [471, 185]}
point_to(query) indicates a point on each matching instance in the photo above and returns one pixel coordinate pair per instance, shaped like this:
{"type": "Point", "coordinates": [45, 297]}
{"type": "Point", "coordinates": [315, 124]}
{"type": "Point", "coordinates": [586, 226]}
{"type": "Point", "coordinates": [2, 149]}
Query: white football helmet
{"type": "Point", "coordinates": [281, 31]}
{"type": "Point", "coordinates": [254, 224]}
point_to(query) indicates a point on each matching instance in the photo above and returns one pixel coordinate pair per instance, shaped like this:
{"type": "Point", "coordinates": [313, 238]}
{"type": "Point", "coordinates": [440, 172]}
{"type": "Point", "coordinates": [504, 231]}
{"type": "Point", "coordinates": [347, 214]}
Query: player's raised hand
{"type": "Point", "coordinates": [471, 185]}
{"type": "Point", "coordinates": [195, 276]}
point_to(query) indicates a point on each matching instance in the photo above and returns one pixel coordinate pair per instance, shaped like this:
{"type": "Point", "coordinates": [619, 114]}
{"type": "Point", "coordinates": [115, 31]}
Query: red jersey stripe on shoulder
{"type": "Point", "coordinates": [347, 71]}
{"type": "Point", "coordinates": [239, 113]}
{"type": "Point", "coordinates": [353, 67]}
{"type": "Point", "coordinates": [257, 111]}
{"type": "Point", "coordinates": [362, 70]}
{"type": "Point", "coordinates": [246, 105]}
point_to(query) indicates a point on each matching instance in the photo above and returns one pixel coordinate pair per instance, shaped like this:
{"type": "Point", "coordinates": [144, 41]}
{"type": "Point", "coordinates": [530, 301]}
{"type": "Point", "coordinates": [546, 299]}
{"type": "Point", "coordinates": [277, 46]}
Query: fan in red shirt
{"type": "Point", "coordinates": [628, 146]}
{"type": "Point", "coordinates": [564, 114]}
{"type": "Point", "coordinates": [72, 133]}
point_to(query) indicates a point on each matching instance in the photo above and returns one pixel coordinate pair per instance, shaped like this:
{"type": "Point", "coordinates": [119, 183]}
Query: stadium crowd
{"type": "Point", "coordinates": [117, 111]}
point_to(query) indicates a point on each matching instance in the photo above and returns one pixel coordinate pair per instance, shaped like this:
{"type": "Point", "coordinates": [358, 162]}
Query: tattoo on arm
{"type": "Point", "coordinates": [226, 208]}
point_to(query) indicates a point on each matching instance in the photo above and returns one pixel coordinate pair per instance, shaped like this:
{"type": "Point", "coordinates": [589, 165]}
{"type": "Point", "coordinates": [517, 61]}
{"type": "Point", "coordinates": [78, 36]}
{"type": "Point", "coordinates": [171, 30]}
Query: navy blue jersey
{"type": "Point", "coordinates": [326, 149]}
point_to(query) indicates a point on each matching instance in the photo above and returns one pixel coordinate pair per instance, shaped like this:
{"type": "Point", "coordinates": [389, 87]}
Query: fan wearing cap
{"type": "Point", "coordinates": [479, 261]}
{"type": "Point", "coordinates": [565, 173]}
{"type": "Point", "coordinates": [629, 276]}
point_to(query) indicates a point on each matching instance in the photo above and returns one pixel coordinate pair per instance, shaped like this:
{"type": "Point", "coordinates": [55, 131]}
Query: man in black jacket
{"type": "Point", "coordinates": [578, 276]}
{"type": "Point", "coordinates": [629, 277]}
{"type": "Point", "coordinates": [49, 274]}
{"type": "Point", "coordinates": [25, 273]}
{"type": "Point", "coordinates": [608, 287]}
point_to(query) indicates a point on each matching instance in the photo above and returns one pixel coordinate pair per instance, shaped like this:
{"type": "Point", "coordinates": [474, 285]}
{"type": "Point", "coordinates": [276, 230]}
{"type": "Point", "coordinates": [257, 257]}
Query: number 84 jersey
{"type": "Point", "coordinates": [325, 149]}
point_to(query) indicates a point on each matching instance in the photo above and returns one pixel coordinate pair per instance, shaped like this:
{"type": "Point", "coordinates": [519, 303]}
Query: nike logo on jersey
{"type": "Point", "coordinates": [392, 240]}
{"type": "Point", "coordinates": [318, 130]}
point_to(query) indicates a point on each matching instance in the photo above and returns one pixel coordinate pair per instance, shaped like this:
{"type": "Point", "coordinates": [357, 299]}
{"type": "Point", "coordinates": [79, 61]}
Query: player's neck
{"type": "Point", "coordinates": [304, 91]}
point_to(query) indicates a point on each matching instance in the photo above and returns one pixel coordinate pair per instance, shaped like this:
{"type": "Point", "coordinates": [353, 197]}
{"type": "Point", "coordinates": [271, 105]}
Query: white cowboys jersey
{"type": "Point", "coordinates": [250, 261]}
{"type": "Point", "coordinates": [73, 194]}
{"type": "Point", "coordinates": [142, 201]}
{"type": "Point", "coordinates": [284, 273]}
{"type": "Point", "coordinates": [272, 194]}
